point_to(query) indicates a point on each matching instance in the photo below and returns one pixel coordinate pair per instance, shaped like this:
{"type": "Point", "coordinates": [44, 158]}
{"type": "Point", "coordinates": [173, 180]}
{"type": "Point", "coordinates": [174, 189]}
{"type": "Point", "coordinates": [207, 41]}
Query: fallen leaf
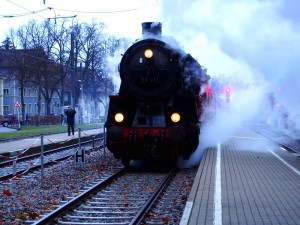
{"type": "Point", "coordinates": [55, 182]}
{"type": "Point", "coordinates": [165, 219]}
{"type": "Point", "coordinates": [34, 215]}
{"type": "Point", "coordinates": [22, 216]}
{"type": "Point", "coordinates": [184, 198]}
{"type": "Point", "coordinates": [55, 202]}
{"type": "Point", "coordinates": [150, 215]}
{"type": "Point", "coordinates": [33, 196]}
{"type": "Point", "coordinates": [150, 189]}
{"type": "Point", "coordinates": [102, 166]}
{"type": "Point", "coordinates": [48, 198]}
{"type": "Point", "coordinates": [19, 175]}
{"type": "Point", "coordinates": [7, 192]}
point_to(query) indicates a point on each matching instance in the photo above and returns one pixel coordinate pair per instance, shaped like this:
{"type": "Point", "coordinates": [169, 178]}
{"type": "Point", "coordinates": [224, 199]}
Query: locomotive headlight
{"type": "Point", "coordinates": [148, 53]}
{"type": "Point", "coordinates": [119, 117]}
{"type": "Point", "coordinates": [175, 117]}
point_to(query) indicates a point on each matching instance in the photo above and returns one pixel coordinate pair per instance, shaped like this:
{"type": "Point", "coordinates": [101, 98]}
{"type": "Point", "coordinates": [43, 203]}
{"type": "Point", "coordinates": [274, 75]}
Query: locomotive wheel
{"type": "Point", "coordinates": [174, 162]}
{"type": "Point", "coordinates": [174, 156]}
{"type": "Point", "coordinates": [125, 161]}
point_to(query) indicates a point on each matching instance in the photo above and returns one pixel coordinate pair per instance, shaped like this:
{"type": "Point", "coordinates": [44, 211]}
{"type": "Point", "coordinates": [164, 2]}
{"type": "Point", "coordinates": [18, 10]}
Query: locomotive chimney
{"type": "Point", "coordinates": [151, 28]}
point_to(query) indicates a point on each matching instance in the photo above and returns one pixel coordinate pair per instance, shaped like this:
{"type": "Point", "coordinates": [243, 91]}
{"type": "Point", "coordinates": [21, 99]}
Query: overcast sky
{"type": "Point", "coordinates": [257, 41]}
{"type": "Point", "coordinates": [119, 15]}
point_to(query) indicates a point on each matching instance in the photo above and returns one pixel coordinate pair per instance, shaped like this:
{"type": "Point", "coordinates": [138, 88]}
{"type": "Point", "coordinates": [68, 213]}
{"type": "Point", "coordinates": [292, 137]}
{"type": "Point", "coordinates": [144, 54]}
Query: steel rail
{"type": "Point", "coordinates": [140, 215]}
{"type": "Point", "coordinates": [259, 130]}
{"type": "Point", "coordinates": [37, 155]}
{"type": "Point", "coordinates": [51, 217]}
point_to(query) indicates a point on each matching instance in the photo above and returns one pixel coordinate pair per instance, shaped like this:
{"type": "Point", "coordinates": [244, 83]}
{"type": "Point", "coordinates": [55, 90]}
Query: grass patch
{"type": "Point", "coordinates": [32, 130]}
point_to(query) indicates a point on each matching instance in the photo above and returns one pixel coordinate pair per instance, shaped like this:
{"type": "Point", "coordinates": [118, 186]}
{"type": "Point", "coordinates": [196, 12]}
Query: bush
{"type": "Point", "coordinates": [45, 119]}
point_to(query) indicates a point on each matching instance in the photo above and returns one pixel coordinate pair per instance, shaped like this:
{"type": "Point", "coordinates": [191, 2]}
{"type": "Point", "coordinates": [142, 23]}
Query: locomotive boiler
{"type": "Point", "coordinates": [156, 114]}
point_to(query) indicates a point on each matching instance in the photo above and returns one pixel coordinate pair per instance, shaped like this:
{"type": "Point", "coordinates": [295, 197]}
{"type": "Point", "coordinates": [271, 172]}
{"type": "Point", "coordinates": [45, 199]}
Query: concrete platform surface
{"type": "Point", "coordinates": [245, 180]}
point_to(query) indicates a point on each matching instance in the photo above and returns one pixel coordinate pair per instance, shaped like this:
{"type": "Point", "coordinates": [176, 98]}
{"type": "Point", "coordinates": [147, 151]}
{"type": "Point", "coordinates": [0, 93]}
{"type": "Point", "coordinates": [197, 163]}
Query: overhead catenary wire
{"type": "Point", "coordinates": [29, 11]}
{"type": "Point", "coordinates": [23, 14]}
{"type": "Point", "coordinates": [104, 12]}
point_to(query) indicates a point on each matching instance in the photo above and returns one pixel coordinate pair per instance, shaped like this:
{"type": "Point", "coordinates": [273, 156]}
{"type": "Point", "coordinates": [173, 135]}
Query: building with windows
{"type": "Point", "coordinates": [10, 93]}
{"type": "Point", "coordinates": [1, 96]}
{"type": "Point", "coordinates": [90, 89]}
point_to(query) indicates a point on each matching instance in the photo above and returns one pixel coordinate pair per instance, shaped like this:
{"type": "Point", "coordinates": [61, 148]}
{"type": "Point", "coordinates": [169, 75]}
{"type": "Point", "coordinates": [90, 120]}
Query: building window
{"type": "Point", "coordinates": [6, 91]}
{"type": "Point", "coordinates": [29, 92]}
{"type": "Point", "coordinates": [6, 108]}
{"type": "Point", "coordinates": [29, 108]}
{"type": "Point", "coordinates": [35, 108]}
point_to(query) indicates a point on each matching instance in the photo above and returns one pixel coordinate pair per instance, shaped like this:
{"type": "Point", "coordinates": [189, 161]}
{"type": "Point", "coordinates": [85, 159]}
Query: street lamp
{"type": "Point", "coordinates": [82, 100]}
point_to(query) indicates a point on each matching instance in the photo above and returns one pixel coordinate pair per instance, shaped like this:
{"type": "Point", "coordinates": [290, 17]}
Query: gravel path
{"type": "Point", "coordinates": [24, 198]}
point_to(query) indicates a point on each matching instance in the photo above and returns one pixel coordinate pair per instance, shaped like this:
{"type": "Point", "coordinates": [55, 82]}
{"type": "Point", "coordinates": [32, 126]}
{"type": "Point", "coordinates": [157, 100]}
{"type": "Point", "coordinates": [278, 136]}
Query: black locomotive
{"type": "Point", "coordinates": [156, 114]}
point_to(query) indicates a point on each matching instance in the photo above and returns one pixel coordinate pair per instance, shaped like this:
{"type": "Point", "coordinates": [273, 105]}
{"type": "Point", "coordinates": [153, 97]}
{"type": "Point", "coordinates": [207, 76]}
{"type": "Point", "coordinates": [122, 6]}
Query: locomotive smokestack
{"type": "Point", "coordinates": [151, 28]}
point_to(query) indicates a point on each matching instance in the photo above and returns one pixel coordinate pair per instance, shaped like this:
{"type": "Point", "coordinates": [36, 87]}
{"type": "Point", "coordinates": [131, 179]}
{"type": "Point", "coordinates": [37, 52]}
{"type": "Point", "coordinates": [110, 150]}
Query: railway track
{"type": "Point", "coordinates": [123, 198]}
{"type": "Point", "coordinates": [22, 165]}
{"type": "Point", "coordinates": [285, 140]}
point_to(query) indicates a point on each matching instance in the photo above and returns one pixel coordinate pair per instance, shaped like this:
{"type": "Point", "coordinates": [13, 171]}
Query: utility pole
{"type": "Point", "coordinates": [72, 72]}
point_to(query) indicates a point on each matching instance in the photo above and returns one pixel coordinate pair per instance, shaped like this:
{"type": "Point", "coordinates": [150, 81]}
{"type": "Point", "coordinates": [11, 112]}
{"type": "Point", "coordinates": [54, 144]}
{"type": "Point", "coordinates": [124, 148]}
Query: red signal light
{"type": "Point", "coordinates": [227, 90]}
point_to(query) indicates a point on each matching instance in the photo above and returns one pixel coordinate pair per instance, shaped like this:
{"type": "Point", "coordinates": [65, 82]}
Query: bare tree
{"type": "Point", "coordinates": [94, 47]}
{"type": "Point", "coordinates": [54, 53]}
{"type": "Point", "coordinates": [20, 63]}
{"type": "Point", "coordinates": [60, 54]}
{"type": "Point", "coordinates": [44, 75]}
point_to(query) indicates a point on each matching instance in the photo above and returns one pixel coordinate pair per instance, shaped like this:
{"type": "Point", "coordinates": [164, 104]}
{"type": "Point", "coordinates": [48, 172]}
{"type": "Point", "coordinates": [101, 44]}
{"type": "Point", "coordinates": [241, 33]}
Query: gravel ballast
{"type": "Point", "coordinates": [26, 197]}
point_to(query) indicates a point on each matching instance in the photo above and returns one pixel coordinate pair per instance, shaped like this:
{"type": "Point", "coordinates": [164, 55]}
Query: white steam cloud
{"type": "Point", "coordinates": [257, 42]}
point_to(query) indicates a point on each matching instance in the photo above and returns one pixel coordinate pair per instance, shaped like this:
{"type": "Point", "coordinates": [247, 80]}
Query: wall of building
{"type": "Point", "coordinates": [1, 96]}
{"type": "Point", "coordinates": [11, 94]}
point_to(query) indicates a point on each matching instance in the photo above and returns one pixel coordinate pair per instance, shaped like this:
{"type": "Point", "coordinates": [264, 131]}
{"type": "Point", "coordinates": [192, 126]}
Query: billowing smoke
{"type": "Point", "coordinates": [252, 45]}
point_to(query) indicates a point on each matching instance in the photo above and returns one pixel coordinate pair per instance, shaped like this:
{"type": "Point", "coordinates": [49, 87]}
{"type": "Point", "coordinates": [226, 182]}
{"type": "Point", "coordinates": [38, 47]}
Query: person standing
{"type": "Point", "coordinates": [70, 113]}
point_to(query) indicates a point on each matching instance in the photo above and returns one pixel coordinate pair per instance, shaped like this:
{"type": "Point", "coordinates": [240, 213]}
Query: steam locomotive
{"type": "Point", "coordinates": [156, 114]}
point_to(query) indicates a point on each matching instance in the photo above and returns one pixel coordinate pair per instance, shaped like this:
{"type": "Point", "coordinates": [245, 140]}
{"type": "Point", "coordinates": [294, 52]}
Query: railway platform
{"type": "Point", "coordinates": [245, 180]}
{"type": "Point", "coordinates": [14, 146]}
